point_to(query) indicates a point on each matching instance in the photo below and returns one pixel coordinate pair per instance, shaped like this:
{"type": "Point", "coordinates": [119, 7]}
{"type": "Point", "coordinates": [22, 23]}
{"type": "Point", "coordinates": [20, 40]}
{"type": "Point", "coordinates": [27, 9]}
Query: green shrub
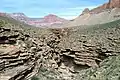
{"type": "Point", "coordinates": [2, 23]}
{"type": "Point", "coordinates": [34, 78]}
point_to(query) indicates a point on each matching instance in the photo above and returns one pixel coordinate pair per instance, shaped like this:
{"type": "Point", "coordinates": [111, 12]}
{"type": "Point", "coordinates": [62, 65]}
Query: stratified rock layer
{"type": "Point", "coordinates": [56, 54]}
{"type": "Point", "coordinates": [110, 5]}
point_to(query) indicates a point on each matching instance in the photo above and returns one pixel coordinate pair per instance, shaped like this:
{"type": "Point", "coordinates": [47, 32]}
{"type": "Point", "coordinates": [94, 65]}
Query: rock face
{"type": "Point", "coordinates": [110, 67]}
{"type": "Point", "coordinates": [20, 17]}
{"type": "Point", "coordinates": [53, 19]}
{"type": "Point", "coordinates": [96, 17]}
{"type": "Point", "coordinates": [86, 10]}
{"type": "Point", "coordinates": [49, 20]}
{"type": "Point", "coordinates": [22, 53]}
{"type": "Point", "coordinates": [15, 62]}
{"type": "Point", "coordinates": [79, 51]}
{"type": "Point", "coordinates": [55, 54]}
{"type": "Point", "coordinates": [46, 21]}
{"type": "Point", "coordinates": [114, 3]}
{"type": "Point", "coordinates": [110, 5]}
{"type": "Point", "coordinates": [105, 13]}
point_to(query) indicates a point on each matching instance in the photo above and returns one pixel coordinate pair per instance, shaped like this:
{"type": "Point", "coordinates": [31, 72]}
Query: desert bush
{"type": "Point", "coordinates": [35, 78]}
{"type": "Point", "coordinates": [2, 23]}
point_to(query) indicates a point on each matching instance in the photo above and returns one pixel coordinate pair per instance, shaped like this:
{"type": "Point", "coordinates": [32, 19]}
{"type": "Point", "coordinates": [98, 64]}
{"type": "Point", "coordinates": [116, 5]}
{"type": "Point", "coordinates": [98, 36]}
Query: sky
{"type": "Point", "coordinates": [68, 9]}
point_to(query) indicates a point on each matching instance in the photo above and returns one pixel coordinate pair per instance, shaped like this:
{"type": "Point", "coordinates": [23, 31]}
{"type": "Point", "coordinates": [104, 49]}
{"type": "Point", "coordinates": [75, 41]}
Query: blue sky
{"type": "Point", "coordinates": [68, 9]}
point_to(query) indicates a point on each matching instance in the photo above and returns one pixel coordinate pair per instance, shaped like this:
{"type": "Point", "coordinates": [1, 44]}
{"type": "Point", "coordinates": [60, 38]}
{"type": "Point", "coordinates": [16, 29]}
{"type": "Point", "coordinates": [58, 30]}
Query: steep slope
{"type": "Point", "coordinates": [56, 54]}
{"type": "Point", "coordinates": [15, 23]}
{"type": "Point", "coordinates": [53, 18]}
{"type": "Point", "coordinates": [100, 18]}
{"type": "Point", "coordinates": [77, 53]}
{"type": "Point", "coordinates": [81, 48]}
{"type": "Point", "coordinates": [20, 17]}
{"type": "Point", "coordinates": [110, 5]}
{"type": "Point", "coordinates": [108, 70]}
{"type": "Point", "coordinates": [103, 14]}
{"type": "Point", "coordinates": [18, 60]}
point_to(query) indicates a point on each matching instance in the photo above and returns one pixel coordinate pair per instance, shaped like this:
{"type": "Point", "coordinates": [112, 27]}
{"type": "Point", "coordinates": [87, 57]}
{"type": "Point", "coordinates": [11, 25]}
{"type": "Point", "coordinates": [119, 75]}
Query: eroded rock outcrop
{"type": "Point", "coordinates": [57, 54]}
{"type": "Point", "coordinates": [108, 69]}
{"type": "Point", "coordinates": [70, 55]}
{"type": "Point", "coordinates": [85, 11]}
{"type": "Point", "coordinates": [16, 63]}
{"type": "Point", "coordinates": [110, 5]}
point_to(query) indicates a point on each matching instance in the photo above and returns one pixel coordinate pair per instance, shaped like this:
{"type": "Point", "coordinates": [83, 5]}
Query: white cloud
{"type": "Point", "coordinates": [81, 8]}
{"type": "Point", "coordinates": [72, 13]}
{"type": "Point", "coordinates": [69, 17]}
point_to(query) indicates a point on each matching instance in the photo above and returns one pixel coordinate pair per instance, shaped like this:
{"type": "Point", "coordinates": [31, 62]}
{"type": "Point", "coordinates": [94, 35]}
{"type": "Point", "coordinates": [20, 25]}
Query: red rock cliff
{"type": "Point", "coordinates": [111, 4]}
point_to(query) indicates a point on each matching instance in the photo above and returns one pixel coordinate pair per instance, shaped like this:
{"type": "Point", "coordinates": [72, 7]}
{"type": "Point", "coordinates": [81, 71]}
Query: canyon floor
{"type": "Point", "coordinates": [75, 53]}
